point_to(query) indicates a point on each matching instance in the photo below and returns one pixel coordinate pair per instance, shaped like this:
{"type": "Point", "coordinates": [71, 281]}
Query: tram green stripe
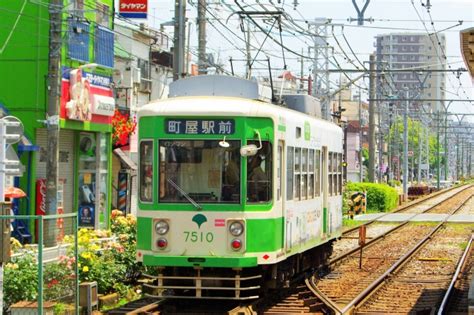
{"type": "Point", "coordinates": [200, 261]}
{"type": "Point", "coordinates": [264, 235]}
{"type": "Point", "coordinates": [144, 229]}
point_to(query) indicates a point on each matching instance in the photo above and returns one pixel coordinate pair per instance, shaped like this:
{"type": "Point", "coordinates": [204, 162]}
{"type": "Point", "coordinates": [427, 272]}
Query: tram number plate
{"type": "Point", "coordinates": [198, 237]}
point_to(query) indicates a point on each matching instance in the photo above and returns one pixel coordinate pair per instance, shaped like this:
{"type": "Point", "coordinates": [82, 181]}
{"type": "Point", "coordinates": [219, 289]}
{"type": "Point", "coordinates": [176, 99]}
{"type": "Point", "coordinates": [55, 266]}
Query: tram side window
{"type": "Point", "coordinates": [304, 174]}
{"type": "Point", "coordinates": [259, 174]}
{"type": "Point", "coordinates": [339, 175]}
{"type": "Point", "coordinates": [146, 171]}
{"type": "Point", "coordinates": [289, 173]}
{"type": "Point", "coordinates": [334, 173]}
{"type": "Point", "coordinates": [298, 173]}
{"type": "Point", "coordinates": [330, 173]}
{"type": "Point", "coordinates": [317, 173]}
{"type": "Point", "coordinates": [311, 174]}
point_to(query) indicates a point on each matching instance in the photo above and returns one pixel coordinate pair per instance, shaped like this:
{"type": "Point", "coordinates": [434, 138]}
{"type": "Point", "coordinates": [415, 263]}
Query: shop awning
{"type": "Point", "coordinates": [125, 159]}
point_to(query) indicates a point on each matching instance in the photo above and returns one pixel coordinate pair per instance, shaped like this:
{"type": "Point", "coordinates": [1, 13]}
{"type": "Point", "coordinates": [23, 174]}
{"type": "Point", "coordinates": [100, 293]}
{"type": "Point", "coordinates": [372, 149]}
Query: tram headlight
{"type": "Point", "coordinates": [236, 228]}
{"type": "Point", "coordinates": [162, 227]}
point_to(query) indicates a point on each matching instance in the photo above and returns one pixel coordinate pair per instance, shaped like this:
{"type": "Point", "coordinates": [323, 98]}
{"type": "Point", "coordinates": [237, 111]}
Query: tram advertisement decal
{"type": "Point", "coordinates": [200, 126]}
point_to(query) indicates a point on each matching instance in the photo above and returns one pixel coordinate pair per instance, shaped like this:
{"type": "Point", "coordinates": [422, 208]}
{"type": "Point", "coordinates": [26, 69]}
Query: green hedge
{"type": "Point", "coordinates": [380, 197]}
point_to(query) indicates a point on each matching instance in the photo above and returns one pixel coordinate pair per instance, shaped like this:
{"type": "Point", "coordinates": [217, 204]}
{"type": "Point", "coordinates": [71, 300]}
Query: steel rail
{"type": "Point", "coordinates": [461, 264]}
{"type": "Point", "coordinates": [311, 284]}
{"type": "Point", "coordinates": [409, 205]}
{"type": "Point", "coordinates": [381, 236]}
{"type": "Point", "coordinates": [372, 288]}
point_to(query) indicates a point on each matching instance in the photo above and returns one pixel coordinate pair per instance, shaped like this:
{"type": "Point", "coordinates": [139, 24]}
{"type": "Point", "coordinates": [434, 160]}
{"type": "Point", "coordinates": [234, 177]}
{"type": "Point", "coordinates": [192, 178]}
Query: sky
{"type": "Point", "coordinates": [389, 16]}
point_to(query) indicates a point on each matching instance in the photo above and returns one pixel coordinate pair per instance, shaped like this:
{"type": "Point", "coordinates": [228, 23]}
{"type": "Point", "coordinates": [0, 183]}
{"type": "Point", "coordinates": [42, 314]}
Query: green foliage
{"type": "Point", "coordinates": [394, 183]}
{"type": "Point", "coordinates": [416, 132]}
{"type": "Point", "coordinates": [380, 197]}
{"type": "Point", "coordinates": [20, 282]}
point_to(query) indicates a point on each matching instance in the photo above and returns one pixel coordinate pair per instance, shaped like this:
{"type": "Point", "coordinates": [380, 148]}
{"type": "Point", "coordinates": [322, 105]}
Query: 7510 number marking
{"type": "Point", "coordinates": [198, 237]}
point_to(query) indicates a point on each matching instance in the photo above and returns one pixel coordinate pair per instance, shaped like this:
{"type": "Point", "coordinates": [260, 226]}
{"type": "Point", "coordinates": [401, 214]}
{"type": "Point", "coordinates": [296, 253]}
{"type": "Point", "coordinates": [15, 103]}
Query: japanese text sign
{"type": "Point", "coordinates": [200, 126]}
{"type": "Point", "coordinates": [135, 9]}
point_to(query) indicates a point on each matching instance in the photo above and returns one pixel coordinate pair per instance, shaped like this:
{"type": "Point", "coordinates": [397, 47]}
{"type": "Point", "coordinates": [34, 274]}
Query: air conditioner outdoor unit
{"type": "Point", "coordinates": [136, 75]}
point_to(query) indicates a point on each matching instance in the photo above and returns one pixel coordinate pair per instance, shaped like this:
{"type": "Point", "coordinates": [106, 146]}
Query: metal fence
{"type": "Point", "coordinates": [41, 275]}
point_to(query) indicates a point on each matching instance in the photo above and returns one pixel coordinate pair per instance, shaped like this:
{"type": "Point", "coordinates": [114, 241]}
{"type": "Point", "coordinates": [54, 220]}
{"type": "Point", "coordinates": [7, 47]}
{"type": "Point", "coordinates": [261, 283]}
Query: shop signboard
{"type": "Point", "coordinates": [134, 9]}
{"type": "Point", "coordinates": [86, 96]}
{"type": "Point", "coordinates": [103, 105]}
{"type": "Point", "coordinates": [79, 105]}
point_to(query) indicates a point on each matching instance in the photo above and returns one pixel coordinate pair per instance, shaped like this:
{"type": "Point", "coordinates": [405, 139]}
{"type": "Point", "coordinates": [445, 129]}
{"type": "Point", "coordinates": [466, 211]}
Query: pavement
{"type": "Point", "coordinates": [422, 217]}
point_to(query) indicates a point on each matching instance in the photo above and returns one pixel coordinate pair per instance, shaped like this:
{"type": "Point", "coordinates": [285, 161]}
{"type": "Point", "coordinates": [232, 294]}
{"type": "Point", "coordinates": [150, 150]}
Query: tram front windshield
{"type": "Point", "coordinates": [200, 171]}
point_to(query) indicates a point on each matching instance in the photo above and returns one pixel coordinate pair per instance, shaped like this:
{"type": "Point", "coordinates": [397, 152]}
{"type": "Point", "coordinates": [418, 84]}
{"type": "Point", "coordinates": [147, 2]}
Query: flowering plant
{"type": "Point", "coordinates": [123, 126]}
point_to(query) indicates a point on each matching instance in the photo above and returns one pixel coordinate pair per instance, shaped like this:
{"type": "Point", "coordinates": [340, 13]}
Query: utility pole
{"type": "Point", "coordinates": [420, 153]}
{"type": "Point", "coordinates": [361, 164]}
{"type": "Point", "coordinates": [54, 81]}
{"type": "Point", "coordinates": [249, 56]}
{"type": "Point", "coordinates": [202, 63]}
{"type": "Point", "coordinates": [405, 145]}
{"type": "Point", "coordinates": [302, 71]}
{"type": "Point", "coordinates": [179, 38]}
{"type": "Point", "coordinates": [437, 150]}
{"type": "Point", "coordinates": [371, 172]}
{"type": "Point", "coordinates": [446, 149]}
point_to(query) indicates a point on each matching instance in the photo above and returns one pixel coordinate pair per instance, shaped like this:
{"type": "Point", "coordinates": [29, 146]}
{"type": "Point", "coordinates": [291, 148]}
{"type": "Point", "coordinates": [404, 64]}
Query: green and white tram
{"type": "Point", "coordinates": [235, 194]}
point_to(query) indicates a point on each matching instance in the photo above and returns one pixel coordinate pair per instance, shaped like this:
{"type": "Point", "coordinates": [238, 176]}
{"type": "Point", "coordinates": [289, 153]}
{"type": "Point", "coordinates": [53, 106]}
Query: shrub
{"type": "Point", "coordinates": [380, 197]}
{"type": "Point", "coordinates": [20, 280]}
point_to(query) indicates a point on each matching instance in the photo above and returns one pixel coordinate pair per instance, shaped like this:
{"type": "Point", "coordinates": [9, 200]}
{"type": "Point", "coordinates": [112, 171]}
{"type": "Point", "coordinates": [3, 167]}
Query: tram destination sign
{"type": "Point", "coordinates": [200, 126]}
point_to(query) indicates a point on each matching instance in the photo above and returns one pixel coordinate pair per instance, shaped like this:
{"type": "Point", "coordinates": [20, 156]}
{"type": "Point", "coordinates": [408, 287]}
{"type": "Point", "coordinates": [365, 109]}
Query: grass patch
{"type": "Point", "coordinates": [350, 223]}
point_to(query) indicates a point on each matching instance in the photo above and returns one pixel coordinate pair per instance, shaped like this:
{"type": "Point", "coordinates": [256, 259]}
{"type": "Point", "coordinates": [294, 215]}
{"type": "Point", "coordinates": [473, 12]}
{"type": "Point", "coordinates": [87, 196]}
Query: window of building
{"type": "Point", "coordinates": [145, 82]}
{"type": "Point", "coordinates": [102, 14]}
{"type": "Point", "coordinates": [79, 8]}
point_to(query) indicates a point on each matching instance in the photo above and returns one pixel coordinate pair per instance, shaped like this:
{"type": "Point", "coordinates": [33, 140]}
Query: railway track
{"type": "Point", "coordinates": [419, 283]}
{"type": "Point", "coordinates": [349, 239]}
{"type": "Point", "coordinates": [346, 286]}
{"type": "Point", "coordinates": [455, 300]}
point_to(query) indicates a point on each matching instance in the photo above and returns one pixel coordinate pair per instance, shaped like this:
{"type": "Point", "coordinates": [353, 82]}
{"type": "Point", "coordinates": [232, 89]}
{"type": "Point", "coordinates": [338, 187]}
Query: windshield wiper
{"type": "Point", "coordinates": [185, 194]}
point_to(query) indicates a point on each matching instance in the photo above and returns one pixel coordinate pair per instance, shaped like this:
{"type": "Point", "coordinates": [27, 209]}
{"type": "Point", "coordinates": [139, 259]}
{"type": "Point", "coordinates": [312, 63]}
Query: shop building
{"type": "Point", "coordinates": [86, 103]}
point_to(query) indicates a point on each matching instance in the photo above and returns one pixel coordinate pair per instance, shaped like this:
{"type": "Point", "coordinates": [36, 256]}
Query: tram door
{"type": "Point", "coordinates": [280, 179]}
{"type": "Point", "coordinates": [324, 186]}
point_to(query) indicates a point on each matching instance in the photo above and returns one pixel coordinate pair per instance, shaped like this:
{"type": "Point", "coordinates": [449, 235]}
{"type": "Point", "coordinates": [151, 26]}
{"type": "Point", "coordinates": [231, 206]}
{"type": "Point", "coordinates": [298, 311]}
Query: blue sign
{"type": "Point", "coordinates": [200, 126]}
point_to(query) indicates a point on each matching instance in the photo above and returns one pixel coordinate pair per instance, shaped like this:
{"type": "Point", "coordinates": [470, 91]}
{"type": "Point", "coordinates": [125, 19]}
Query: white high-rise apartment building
{"type": "Point", "coordinates": [412, 51]}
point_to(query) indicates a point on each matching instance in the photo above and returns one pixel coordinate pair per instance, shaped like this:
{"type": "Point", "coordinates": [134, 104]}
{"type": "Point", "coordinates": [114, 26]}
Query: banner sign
{"type": "Point", "coordinates": [200, 126]}
{"type": "Point", "coordinates": [134, 9]}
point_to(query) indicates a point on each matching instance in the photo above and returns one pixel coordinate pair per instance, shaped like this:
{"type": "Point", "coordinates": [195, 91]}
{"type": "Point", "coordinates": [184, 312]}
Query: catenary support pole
{"type": "Point", "coordinates": [202, 63]}
{"type": "Point", "coordinates": [437, 150]}
{"type": "Point", "coordinates": [420, 152]}
{"type": "Point", "coordinates": [371, 171]}
{"type": "Point", "coordinates": [361, 163]}
{"type": "Point", "coordinates": [446, 149]}
{"type": "Point", "coordinates": [53, 87]}
{"type": "Point", "coordinates": [179, 38]}
{"type": "Point", "coordinates": [405, 146]}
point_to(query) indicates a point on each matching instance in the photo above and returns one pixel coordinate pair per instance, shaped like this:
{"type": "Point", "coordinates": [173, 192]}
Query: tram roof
{"type": "Point", "coordinates": [223, 106]}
